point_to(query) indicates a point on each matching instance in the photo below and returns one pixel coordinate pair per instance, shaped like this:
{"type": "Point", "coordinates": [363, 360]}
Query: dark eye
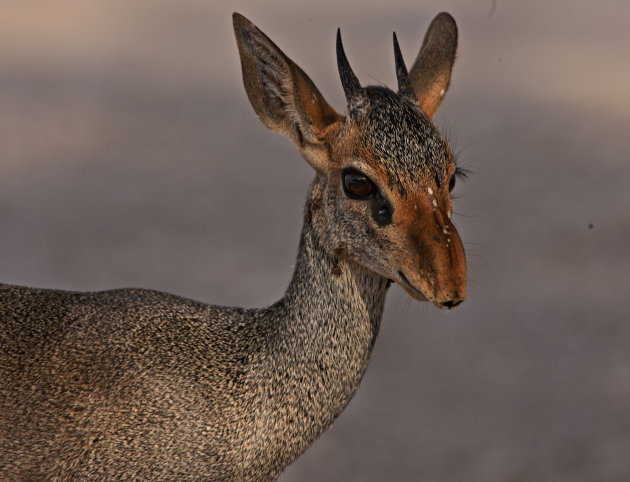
{"type": "Point", "coordinates": [451, 183]}
{"type": "Point", "coordinates": [357, 185]}
{"type": "Point", "coordinates": [381, 212]}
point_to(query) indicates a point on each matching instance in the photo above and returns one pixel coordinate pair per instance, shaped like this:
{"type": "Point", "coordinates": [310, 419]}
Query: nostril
{"type": "Point", "coordinates": [452, 304]}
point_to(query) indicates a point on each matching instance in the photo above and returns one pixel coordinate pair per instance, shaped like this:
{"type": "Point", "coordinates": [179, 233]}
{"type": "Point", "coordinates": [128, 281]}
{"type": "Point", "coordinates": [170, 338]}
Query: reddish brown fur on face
{"type": "Point", "coordinates": [434, 260]}
{"type": "Point", "coordinates": [344, 141]}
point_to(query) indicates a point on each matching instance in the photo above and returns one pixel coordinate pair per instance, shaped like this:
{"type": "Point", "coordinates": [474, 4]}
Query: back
{"type": "Point", "coordinates": [132, 364]}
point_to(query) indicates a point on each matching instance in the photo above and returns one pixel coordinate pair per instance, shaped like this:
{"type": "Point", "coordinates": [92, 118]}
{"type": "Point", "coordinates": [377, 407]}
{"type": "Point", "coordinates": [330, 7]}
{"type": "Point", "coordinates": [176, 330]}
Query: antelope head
{"type": "Point", "coordinates": [381, 197]}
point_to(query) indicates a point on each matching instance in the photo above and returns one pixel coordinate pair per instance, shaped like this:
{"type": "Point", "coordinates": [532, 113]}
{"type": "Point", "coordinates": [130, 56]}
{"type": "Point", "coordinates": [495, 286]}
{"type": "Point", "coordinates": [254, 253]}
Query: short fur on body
{"type": "Point", "coordinates": [138, 384]}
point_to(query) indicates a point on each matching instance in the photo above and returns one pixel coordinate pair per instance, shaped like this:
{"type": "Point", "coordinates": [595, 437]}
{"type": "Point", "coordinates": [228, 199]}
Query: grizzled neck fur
{"type": "Point", "coordinates": [328, 321]}
{"type": "Point", "coordinates": [398, 134]}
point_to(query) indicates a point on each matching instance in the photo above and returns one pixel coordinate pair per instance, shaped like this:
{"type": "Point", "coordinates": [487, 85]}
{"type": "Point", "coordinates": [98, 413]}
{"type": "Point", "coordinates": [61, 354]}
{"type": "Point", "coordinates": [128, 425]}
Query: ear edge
{"type": "Point", "coordinates": [246, 34]}
{"type": "Point", "coordinates": [304, 114]}
{"type": "Point", "coordinates": [431, 71]}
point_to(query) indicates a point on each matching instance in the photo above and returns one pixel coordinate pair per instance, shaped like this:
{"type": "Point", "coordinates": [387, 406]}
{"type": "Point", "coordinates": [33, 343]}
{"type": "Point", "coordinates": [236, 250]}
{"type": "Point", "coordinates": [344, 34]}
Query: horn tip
{"type": "Point", "coordinates": [396, 45]}
{"type": "Point", "coordinates": [349, 80]}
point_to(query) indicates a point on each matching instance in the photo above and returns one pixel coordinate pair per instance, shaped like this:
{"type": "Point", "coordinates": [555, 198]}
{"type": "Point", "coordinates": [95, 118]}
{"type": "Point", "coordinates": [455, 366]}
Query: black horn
{"type": "Point", "coordinates": [404, 85]}
{"type": "Point", "coordinates": [349, 81]}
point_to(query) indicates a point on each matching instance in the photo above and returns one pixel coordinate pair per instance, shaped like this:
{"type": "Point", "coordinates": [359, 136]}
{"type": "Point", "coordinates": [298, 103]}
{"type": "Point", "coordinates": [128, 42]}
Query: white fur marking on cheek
{"type": "Point", "coordinates": [442, 92]}
{"type": "Point", "coordinates": [434, 203]}
{"type": "Point", "coordinates": [430, 191]}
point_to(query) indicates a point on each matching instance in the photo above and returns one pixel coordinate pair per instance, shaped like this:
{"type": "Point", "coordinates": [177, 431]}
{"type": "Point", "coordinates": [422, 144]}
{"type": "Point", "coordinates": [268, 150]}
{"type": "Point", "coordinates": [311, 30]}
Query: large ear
{"type": "Point", "coordinates": [282, 95]}
{"type": "Point", "coordinates": [431, 72]}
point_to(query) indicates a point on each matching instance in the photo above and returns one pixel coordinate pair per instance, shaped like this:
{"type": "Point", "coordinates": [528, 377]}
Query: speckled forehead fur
{"type": "Point", "coordinates": [399, 137]}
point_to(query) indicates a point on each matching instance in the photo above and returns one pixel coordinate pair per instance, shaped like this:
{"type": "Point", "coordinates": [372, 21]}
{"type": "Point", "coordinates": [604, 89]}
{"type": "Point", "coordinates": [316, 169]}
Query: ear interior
{"type": "Point", "coordinates": [430, 75]}
{"type": "Point", "coordinates": [283, 96]}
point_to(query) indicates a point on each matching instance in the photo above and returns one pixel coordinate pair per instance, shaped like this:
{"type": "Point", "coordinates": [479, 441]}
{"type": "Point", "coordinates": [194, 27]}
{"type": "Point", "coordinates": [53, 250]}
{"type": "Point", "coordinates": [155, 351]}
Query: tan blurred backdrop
{"type": "Point", "coordinates": [129, 156]}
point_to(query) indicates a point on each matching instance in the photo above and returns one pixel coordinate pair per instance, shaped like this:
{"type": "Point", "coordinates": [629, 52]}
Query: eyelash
{"type": "Point", "coordinates": [461, 173]}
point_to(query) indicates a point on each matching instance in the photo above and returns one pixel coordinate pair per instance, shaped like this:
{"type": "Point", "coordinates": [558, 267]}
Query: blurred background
{"type": "Point", "coordinates": [130, 156]}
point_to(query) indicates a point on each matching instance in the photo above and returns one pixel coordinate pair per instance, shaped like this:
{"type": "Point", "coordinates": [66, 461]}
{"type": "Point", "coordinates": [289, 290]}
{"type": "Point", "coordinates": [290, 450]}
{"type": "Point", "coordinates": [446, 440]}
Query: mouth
{"type": "Point", "coordinates": [420, 296]}
{"type": "Point", "coordinates": [411, 289]}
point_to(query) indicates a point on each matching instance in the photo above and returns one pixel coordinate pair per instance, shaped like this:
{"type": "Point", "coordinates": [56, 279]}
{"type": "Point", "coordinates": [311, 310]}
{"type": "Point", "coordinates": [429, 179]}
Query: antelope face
{"type": "Point", "coordinates": [389, 198]}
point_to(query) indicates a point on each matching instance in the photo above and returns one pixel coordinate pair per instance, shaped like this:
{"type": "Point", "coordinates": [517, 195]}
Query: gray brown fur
{"type": "Point", "coordinates": [405, 141]}
{"type": "Point", "coordinates": [138, 384]}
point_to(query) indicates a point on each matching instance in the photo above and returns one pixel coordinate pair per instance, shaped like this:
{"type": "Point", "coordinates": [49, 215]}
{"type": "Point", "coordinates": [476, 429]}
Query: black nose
{"type": "Point", "coordinates": [451, 304]}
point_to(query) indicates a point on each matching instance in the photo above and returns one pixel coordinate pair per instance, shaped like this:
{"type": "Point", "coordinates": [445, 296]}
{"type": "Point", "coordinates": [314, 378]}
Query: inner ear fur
{"type": "Point", "coordinates": [430, 75]}
{"type": "Point", "coordinates": [283, 96]}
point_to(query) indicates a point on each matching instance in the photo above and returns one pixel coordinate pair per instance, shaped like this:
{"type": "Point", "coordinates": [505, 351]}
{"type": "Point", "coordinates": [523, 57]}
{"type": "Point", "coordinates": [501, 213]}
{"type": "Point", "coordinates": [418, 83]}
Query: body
{"type": "Point", "coordinates": [178, 388]}
{"type": "Point", "coordinates": [141, 384]}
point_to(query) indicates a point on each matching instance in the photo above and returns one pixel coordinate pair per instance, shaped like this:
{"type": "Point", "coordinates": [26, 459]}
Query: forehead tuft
{"type": "Point", "coordinates": [403, 141]}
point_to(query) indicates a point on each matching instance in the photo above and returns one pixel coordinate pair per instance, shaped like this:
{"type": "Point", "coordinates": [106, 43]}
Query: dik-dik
{"type": "Point", "coordinates": [138, 384]}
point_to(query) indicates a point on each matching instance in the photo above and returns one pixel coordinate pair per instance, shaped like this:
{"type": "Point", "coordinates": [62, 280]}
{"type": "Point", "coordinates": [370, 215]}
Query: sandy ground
{"type": "Point", "coordinates": [129, 156]}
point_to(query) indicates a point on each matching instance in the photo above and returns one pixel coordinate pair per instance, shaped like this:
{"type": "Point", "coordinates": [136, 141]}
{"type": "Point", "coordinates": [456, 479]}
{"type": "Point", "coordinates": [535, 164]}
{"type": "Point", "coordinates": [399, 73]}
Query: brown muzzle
{"type": "Point", "coordinates": [436, 268]}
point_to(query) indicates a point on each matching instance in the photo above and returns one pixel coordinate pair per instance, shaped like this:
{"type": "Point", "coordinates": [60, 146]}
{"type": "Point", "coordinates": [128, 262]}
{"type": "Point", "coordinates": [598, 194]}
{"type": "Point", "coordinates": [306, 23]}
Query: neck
{"type": "Point", "coordinates": [333, 302]}
{"type": "Point", "coordinates": [326, 326]}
